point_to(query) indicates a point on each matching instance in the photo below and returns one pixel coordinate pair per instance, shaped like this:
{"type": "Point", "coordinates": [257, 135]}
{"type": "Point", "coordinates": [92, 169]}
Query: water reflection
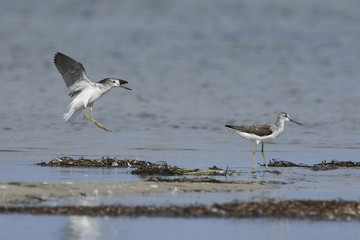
{"type": "Point", "coordinates": [82, 228]}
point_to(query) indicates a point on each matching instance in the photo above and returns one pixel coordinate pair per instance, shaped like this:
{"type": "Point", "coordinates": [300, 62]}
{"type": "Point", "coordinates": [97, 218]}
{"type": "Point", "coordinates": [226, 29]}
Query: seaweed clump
{"type": "Point", "coordinates": [335, 163]}
{"type": "Point", "coordinates": [103, 162]}
{"type": "Point", "coordinates": [142, 167]}
{"type": "Point", "coordinates": [282, 163]}
{"type": "Point", "coordinates": [162, 168]}
{"type": "Point", "coordinates": [323, 166]}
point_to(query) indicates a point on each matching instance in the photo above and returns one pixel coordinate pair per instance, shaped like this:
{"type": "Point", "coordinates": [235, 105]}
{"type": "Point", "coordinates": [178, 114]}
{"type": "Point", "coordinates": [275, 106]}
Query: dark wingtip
{"type": "Point", "coordinates": [57, 55]}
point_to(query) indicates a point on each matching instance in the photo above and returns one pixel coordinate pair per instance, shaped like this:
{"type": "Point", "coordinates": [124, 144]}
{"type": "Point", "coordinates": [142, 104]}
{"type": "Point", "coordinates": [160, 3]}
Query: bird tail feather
{"type": "Point", "coordinates": [71, 115]}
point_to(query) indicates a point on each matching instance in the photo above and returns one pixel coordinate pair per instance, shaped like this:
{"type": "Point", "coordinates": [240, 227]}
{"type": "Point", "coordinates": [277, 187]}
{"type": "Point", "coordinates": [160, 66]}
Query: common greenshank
{"type": "Point", "coordinates": [262, 133]}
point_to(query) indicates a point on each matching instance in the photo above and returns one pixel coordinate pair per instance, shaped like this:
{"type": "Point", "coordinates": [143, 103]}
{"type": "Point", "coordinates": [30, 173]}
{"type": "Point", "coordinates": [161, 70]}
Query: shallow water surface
{"type": "Point", "coordinates": [194, 67]}
{"type": "Point", "coordinates": [79, 227]}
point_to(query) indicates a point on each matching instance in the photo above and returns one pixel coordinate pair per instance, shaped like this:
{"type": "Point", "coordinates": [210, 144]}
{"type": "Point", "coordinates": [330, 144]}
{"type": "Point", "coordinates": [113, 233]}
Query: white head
{"type": "Point", "coordinates": [115, 82]}
{"type": "Point", "coordinates": [284, 117]}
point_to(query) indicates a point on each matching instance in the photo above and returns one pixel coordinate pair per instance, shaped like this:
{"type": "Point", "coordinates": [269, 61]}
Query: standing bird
{"type": "Point", "coordinates": [79, 85]}
{"type": "Point", "coordinates": [262, 133]}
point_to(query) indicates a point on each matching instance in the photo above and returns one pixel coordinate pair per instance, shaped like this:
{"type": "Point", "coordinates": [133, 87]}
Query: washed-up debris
{"type": "Point", "coordinates": [323, 166]}
{"type": "Point", "coordinates": [188, 180]}
{"type": "Point", "coordinates": [103, 162]}
{"type": "Point", "coordinates": [142, 167]}
{"type": "Point", "coordinates": [281, 163]}
{"type": "Point", "coordinates": [293, 209]}
{"type": "Point", "coordinates": [335, 163]}
{"type": "Point", "coordinates": [163, 168]}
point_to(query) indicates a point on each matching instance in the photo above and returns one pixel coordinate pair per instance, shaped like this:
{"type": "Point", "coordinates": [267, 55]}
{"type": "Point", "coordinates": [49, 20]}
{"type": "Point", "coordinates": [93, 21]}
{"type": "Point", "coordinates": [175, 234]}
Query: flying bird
{"type": "Point", "coordinates": [79, 86]}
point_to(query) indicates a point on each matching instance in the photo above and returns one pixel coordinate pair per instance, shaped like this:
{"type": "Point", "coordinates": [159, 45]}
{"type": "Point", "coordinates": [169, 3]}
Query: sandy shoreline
{"type": "Point", "coordinates": [18, 192]}
{"type": "Point", "coordinates": [18, 197]}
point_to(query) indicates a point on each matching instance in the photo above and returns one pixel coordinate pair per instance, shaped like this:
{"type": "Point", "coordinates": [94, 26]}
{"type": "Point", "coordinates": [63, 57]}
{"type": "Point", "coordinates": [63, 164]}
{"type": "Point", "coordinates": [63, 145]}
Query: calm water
{"type": "Point", "coordinates": [194, 66]}
{"type": "Point", "coordinates": [76, 227]}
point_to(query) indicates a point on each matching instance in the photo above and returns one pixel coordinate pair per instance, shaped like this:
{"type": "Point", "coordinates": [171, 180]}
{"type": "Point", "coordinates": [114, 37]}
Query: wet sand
{"type": "Point", "coordinates": [18, 192]}
{"type": "Point", "coordinates": [23, 195]}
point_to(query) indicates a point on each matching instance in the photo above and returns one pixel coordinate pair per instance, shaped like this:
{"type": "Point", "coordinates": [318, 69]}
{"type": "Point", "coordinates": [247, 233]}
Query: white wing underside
{"type": "Point", "coordinates": [78, 86]}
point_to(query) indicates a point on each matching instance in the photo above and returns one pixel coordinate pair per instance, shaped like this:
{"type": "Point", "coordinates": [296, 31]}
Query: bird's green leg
{"type": "Point", "coordinates": [254, 157]}
{"type": "Point", "coordinates": [262, 152]}
{"type": "Point", "coordinates": [96, 123]}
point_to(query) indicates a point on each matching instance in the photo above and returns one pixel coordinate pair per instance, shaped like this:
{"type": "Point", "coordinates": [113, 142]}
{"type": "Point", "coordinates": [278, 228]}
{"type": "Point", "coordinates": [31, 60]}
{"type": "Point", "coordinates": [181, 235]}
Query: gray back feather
{"type": "Point", "coordinates": [72, 72]}
{"type": "Point", "coordinates": [258, 129]}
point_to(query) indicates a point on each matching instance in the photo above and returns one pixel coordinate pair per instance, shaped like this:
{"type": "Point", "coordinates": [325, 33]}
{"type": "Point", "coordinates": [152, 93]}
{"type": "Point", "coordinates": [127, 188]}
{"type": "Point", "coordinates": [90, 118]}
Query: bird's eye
{"type": "Point", "coordinates": [113, 81]}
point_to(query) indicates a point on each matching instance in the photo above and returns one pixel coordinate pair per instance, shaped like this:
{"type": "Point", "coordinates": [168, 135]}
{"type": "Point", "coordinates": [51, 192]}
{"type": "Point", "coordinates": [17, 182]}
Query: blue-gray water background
{"type": "Point", "coordinates": [194, 66]}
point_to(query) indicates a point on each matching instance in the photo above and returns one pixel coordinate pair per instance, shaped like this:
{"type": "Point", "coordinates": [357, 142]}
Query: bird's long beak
{"type": "Point", "coordinates": [122, 83]}
{"type": "Point", "coordinates": [125, 87]}
{"type": "Point", "coordinates": [295, 121]}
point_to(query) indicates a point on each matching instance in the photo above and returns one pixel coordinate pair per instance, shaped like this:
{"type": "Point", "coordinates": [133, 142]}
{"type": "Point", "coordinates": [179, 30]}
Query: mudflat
{"type": "Point", "coordinates": [19, 192]}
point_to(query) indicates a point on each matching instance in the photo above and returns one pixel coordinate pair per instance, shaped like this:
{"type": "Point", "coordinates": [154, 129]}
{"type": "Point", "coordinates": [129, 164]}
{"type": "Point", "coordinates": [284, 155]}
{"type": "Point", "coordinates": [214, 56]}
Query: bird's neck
{"type": "Point", "coordinates": [279, 123]}
{"type": "Point", "coordinates": [279, 126]}
{"type": "Point", "coordinates": [104, 88]}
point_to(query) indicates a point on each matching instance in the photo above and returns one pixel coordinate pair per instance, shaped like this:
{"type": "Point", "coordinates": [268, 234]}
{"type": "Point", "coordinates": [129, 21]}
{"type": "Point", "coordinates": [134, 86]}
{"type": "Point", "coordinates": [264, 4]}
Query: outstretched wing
{"type": "Point", "coordinates": [72, 72]}
{"type": "Point", "coordinates": [260, 130]}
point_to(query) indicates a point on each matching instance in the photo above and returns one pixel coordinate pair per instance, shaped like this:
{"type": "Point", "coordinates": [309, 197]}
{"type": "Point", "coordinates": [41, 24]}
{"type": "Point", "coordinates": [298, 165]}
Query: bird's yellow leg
{"type": "Point", "coordinates": [96, 123]}
{"type": "Point", "coordinates": [91, 113]}
{"type": "Point", "coordinates": [85, 115]}
{"type": "Point", "coordinates": [262, 153]}
{"type": "Point", "coordinates": [101, 126]}
{"type": "Point", "coordinates": [254, 157]}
